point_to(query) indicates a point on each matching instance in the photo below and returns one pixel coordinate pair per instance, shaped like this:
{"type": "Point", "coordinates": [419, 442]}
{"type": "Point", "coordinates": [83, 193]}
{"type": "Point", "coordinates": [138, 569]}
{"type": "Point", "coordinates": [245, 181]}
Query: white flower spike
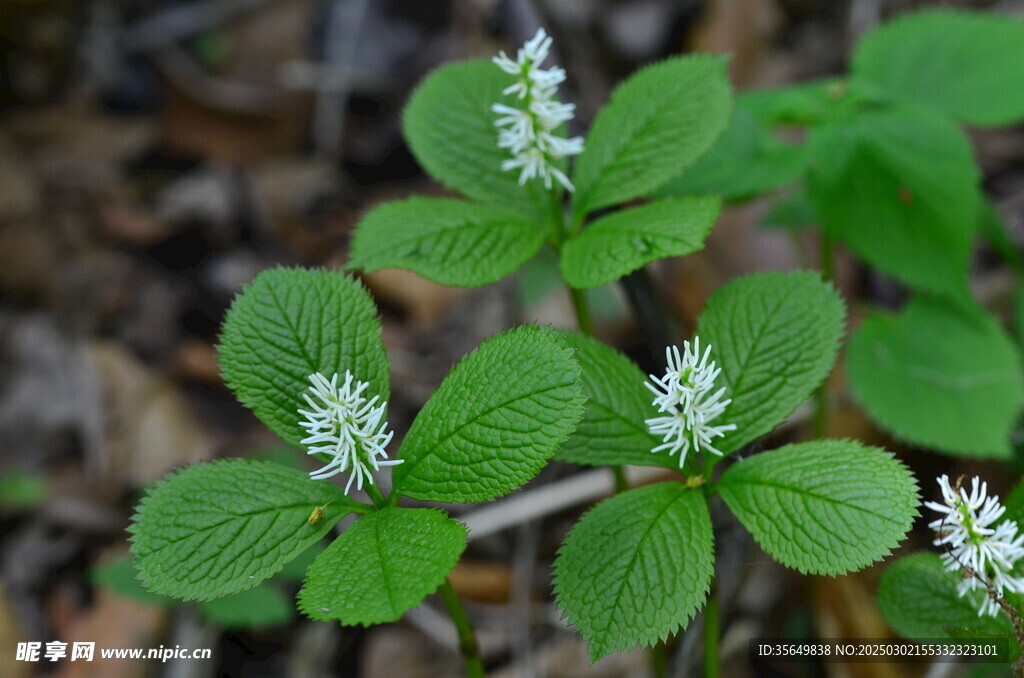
{"type": "Point", "coordinates": [341, 422]}
{"type": "Point", "coordinates": [965, 529]}
{"type": "Point", "coordinates": [685, 395]}
{"type": "Point", "coordinates": [527, 131]}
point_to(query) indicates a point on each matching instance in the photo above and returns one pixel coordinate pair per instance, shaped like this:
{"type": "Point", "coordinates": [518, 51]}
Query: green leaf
{"type": "Point", "coordinates": [118, 576]}
{"type": "Point", "coordinates": [256, 608]}
{"type": "Point", "coordinates": [794, 211]}
{"type": "Point", "coordinates": [381, 566]}
{"type": "Point", "coordinates": [538, 279]}
{"type": "Point", "coordinates": [1018, 312]}
{"type": "Point", "coordinates": [996, 232]}
{"type": "Point", "coordinates": [621, 243]}
{"type": "Point", "coordinates": [823, 507]}
{"type": "Point", "coordinates": [447, 241]}
{"type": "Point", "coordinates": [918, 598]}
{"type": "Point", "coordinates": [1015, 505]}
{"type": "Point", "coordinates": [295, 570]}
{"type": "Point", "coordinates": [937, 375]}
{"type": "Point", "coordinates": [805, 103]}
{"type": "Point", "coordinates": [222, 527]}
{"type": "Point", "coordinates": [747, 160]}
{"type": "Point", "coordinates": [450, 128]}
{"type": "Point", "coordinates": [899, 187]}
{"type": "Point", "coordinates": [290, 323]}
{"type": "Point", "coordinates": [613, 430]}
{"type": "Point", "coordinates": [775, 336]}
{"type": "Point", "coordinates": [259, 608]}
{"type": "Point", "coordinates": [22, 491]}
{"type": "Point", "coordinates": [636, 567]}
{"type": "Point", "coordinates": [494, 421]}
{"type": "Point", "coordinates": [285, 455]}
{"type": "Point", "coordinates": [967, 64]}
{"type": "Point", "coordinates": [658, 123]}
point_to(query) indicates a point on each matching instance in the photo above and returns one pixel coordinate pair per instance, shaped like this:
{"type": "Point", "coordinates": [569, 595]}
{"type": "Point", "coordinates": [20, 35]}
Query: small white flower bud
{"type": "Point", "coordinates": [965, 529]}
{"type": "Point", "coordinates": [527, 132]}
{"type": "Point", "coordinates": [341, 422]}
{"type": "Point", "coordinates": [685, 395]}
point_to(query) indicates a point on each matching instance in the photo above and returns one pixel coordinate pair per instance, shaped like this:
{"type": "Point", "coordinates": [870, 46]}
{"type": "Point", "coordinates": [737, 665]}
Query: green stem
{"type": "Point", "coordinates": [467, 639]}
{"type": "Point", "coordinates": [710, 461]}
{"type": "Point", "coordinates": [577, 225]}
{"type": "Point", "coordinates": [557, 217]}
{"type": "Point", "coordinates": [621, 484]}
{"type": "Point", "coordinates": [827, 258]}
{"type": "Point", "coordinates": [712, 669]}
{"type": "Point", "coordinates": [821, 411]}
{"type": "Point", "coordinates": [801, 250]}
{"type": "Point", "coordinates": [659, 659]}
{"type": "Point", "coordinates": [579, 303]}
{"type": "Point", "coordinates": [657, 323]}
{"type": "Point", "coordinates": [378, 499]}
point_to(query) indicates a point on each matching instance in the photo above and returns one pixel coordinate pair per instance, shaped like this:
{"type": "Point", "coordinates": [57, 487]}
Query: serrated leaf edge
{"type": "Point", "coordinates": [841, 332]}
{"type": "Point", "coordinates": [148, 495]}
{"type": "Point", "coordinates": [233, 385]}
{"type": "Point", "coordinates": [465, 531]}
{"type": "Point", "coordinates": [579, 399]}
{"type": "Point", "coordinates": [914, 514]}
{"type": "Point", "coordinates": [580, 201]}
{"type": "Point", "coordinates": [620, 647]}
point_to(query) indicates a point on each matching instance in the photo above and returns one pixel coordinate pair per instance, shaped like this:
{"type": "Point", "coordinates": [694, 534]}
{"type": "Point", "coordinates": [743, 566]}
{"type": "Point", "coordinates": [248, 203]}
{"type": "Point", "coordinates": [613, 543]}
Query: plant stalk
{"type": "Point", "coordinates": [659, 659]}
{"type": "Point", "coordinates": [557, 218]}
{"type": "Point", "coordinates": [827, 257]}
{"type": "Point", "coordinates": [577, 225]}
{"type": "Point", "coordinates": [656, 322]}
{"type": "Point", "coordinates": [821, 411]}
{"type": "Point", "coordinates": [467, 638]}
{"type": "Point", "coordinates": [827, 260]}
{"type": "Point", "coordinates": [712, 669]}
{"type": "Point", "coordinates": [579, 304]}
{"type": "Point", "coordinates": [375, 495]}
{"type": "Point", "coordinates": [621, 484]}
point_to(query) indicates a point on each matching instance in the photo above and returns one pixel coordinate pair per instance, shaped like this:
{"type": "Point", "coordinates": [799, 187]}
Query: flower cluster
{"type": "Point", "coordinates": [685, 395]}
{"type": "Point", "coordinates": [965, 529]}
{"type": "Point", "coordinates": [527, 132]}
{"type": "Point", "coordinates": [341, 422]}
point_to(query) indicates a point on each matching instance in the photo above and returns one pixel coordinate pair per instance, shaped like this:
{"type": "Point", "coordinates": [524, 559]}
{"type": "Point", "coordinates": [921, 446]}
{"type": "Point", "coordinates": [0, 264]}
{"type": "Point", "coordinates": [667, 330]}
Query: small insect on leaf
{"type": "Point", "coordinates": [317, 514]}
